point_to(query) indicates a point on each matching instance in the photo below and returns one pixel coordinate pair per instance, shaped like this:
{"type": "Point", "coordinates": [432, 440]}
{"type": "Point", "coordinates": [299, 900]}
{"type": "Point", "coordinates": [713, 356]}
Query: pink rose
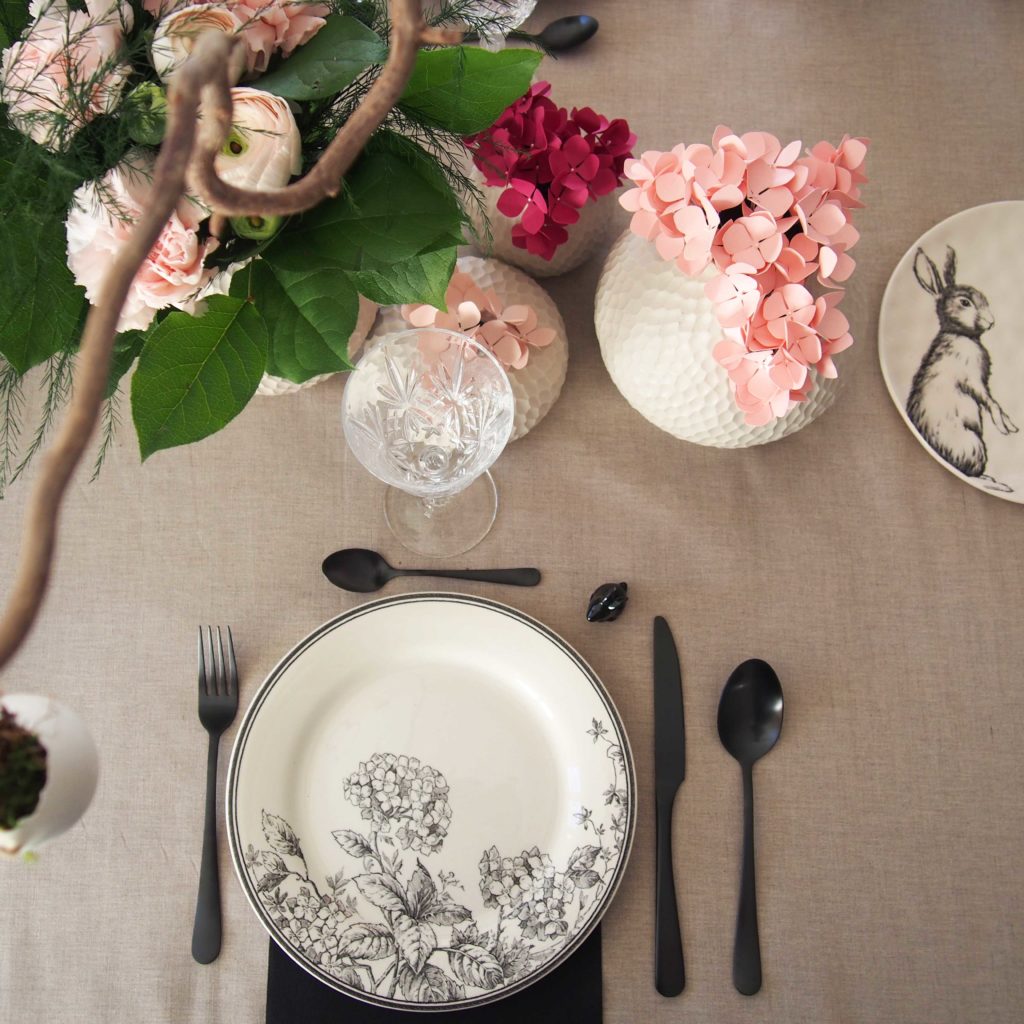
{"type": "Point", "coordinates": [264, 149]}
{"type": "Point", "coordinates": [65, 71]}
{"type": "Point", "coordinates": [101, 219]}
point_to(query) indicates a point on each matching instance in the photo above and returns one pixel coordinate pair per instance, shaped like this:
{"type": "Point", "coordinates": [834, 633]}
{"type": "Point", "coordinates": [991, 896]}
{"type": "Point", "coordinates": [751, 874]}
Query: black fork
{"type": "Point", "coordinates": [218, 704]}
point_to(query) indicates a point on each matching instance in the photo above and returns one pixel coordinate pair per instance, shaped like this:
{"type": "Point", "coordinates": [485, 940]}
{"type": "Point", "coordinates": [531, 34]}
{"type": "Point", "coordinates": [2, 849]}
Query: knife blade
{"type": "Point", "coordinates": [669, 772]}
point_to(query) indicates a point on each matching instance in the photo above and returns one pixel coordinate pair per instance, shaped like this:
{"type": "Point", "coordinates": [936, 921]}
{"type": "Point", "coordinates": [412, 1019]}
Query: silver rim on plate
{"type": "Point", "coordinates": [438, 958]}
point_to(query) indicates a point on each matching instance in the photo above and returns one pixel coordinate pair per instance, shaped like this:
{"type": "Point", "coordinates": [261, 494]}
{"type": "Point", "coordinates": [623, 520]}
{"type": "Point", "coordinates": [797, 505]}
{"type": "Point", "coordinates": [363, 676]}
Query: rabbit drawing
{"type": "Point", "coordinates": [950, 389]}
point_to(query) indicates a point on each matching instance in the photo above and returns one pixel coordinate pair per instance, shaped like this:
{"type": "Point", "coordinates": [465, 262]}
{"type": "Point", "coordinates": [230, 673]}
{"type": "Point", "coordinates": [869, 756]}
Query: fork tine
{"type": "Point", "coordinates": [232, 668]}
{"type": "Point", "coordinates": [204, 686]}
{"type": "Point", "coordinates": [222, 681]}
{"type": "Point", "coordinates": [211, 672]}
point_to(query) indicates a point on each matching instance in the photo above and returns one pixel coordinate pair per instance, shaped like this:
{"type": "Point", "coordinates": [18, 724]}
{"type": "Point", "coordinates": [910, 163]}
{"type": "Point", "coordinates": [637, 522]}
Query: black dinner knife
{"type": "Point", "coordinates": [669, 772]}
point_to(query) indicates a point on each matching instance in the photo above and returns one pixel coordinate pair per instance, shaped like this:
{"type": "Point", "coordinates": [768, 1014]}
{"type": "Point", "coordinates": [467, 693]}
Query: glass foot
{"type": "Point", "coordinates": [451, 528]}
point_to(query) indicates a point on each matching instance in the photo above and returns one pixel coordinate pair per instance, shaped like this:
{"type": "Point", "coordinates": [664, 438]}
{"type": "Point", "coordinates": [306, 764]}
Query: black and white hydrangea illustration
{"type": "Point", "coordinates": [401, 932]}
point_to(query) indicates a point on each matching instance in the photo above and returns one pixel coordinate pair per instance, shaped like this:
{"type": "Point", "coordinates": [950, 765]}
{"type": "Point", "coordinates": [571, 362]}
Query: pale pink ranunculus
{"type": "Point", "coordinates": [266, 26]}
{"type": "Point", "coordinates": [264, 149]}
{"type": "Point", "coordinates": [102, 216]}
{"type": "Point", "coordinates": [65, 71]}
{"type": "Point", "coordinates": [178, 31]}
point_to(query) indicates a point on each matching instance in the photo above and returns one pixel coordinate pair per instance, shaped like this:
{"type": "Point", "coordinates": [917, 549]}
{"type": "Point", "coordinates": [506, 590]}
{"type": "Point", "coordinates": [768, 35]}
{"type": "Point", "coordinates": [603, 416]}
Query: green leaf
{"type": "Point", "coordinates": [196, 374]}
{"type": "Point", "coordinates": [40, 304]}
{"type": "Point", "coordinates": [127, 347]}
{"type": "Point", "coordinates": [464, 89]}
{"type": "Point", "coordinates": [389, 212]}
{"type": "Point", "coordinates": [14, 16]}
{"type": "Point", "coordinates": [311, 314]}
{"type": "Point", "coordinates": [332, 59]}
{"type": "Point", "coordinates": [420, 278]}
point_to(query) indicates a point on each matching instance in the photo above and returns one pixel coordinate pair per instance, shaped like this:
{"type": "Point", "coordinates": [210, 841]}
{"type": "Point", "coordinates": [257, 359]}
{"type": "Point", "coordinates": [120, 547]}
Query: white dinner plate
{"type": "Point", "coordinates": [431, 802]}
{"type": "Point", "coordinates": [951, 344]}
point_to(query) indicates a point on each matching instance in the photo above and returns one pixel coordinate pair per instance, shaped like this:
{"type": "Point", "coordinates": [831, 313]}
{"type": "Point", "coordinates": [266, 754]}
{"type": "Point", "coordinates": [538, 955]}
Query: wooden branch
{"type": "Point", "coordinates": [323, 180]}
{"type": "Point", "coordinates": [189, 148]}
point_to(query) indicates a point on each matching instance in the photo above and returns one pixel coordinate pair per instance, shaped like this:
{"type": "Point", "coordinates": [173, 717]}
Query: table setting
{"type": "Point", "coordinates": [518, 423]}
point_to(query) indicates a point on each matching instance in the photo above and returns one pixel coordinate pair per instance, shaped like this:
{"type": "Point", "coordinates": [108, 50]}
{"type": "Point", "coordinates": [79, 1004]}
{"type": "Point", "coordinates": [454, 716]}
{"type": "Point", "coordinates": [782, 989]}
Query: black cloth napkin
{"type": "Point", "coordinates": [570, 994]}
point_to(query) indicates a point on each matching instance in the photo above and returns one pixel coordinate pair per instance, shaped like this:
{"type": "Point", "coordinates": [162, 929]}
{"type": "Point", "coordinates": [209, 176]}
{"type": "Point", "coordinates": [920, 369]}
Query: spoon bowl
{"type": "Point", "coordinates": [566, 33]}
{"type": "Point", "coordinates": [750, 711]}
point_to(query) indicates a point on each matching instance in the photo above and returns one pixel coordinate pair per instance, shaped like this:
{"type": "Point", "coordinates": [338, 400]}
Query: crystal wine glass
{"type": "Point", "coordinates": [428, 411]}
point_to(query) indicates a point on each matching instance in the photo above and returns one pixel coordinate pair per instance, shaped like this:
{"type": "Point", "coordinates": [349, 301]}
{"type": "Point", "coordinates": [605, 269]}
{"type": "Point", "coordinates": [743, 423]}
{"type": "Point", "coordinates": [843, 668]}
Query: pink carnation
{"type": "Point", "coordinates": [65, 71]}
{"type": "Point", "coordinates": [99, 223]}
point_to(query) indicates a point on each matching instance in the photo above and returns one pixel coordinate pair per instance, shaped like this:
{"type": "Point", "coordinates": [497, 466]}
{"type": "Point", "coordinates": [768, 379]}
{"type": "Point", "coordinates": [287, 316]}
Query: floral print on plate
{"type": "Point", "coordinates": [386, 924]}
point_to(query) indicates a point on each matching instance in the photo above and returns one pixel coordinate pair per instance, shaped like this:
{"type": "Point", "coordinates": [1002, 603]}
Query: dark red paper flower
{"type": "Point", "coordinates": [550, 164]}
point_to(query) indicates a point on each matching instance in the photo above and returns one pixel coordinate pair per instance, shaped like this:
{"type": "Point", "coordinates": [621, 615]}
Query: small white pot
{"type": "Point", "coordinates": [584, 236]}
{"type": "Point", "coordinates": [72, 769]}
{"type": "Point", "coordinates": [657, 329]}
{"type": "Point", "coordinates": [271, 385]}
{"type": "Point", "coordinates": [539, 383]}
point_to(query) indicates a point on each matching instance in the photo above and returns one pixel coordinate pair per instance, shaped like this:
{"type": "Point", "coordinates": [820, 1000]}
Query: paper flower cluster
{"type": "Point", "coordinates": [550, 163]}
{"type": "Point", "coordinates": [508, 332]}
{"type": "Point", "coordinates": [765, 219]}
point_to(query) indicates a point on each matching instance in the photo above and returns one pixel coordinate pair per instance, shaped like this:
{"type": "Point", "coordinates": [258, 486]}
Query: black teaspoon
{"type": "Point", "coordinates": [749, 723]}
{"type": "Point", "coordinates": [567, 33]}
{"type": "Point", "coordinates": [557, 37]}
{"type": "Point", "coordinates": [364, 571]}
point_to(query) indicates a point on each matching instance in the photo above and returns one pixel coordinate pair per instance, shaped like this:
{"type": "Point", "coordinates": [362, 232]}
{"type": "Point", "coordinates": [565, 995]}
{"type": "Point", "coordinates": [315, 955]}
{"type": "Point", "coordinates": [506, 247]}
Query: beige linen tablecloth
{"type": "Point", "coordinates": [886, 593]}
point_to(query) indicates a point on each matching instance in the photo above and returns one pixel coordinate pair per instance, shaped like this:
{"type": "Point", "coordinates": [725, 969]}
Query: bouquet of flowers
{"type": "Point", "coordinates": [216, 304]}
{"type": "Point", "coordinates": [757, 219]}
{"type": "Point", "coordinates": [550, 163]}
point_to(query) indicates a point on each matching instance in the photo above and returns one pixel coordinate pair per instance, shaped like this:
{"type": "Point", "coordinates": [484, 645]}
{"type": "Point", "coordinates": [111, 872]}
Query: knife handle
{"type": "Point", "coordinates": [670, 973]}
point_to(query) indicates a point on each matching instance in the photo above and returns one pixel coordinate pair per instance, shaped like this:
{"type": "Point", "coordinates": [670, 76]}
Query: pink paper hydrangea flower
{"type": "Point", "coordinates": [550, 164]}
{"type": "Point", "coordinates": [766, 219]}
{"type": "Point", "coordinates": [509, 332]}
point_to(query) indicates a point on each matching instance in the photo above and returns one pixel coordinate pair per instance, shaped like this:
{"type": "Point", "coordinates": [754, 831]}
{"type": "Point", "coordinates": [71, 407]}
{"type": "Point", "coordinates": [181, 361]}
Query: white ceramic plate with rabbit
{"type": "Point", "coordinates": [949, 340]}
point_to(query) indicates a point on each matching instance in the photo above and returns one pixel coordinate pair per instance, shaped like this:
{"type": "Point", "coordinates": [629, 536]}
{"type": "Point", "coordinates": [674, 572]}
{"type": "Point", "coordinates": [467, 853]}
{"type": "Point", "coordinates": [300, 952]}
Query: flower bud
{"type": "Point", "coordinates": [256, 227]}
{"type": "Point", "coordinates": [145, 114]}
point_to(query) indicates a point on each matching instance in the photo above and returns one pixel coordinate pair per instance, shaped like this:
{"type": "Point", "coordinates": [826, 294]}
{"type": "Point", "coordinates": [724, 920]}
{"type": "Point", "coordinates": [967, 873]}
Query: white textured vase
{"type": "Point", "coordinates": [271, 385]}
{"type": "Point", "coordinates": [657, 329]}
{"type": "Point", "coordinates": [539, 383]}
{"type": "Point", "coordinates": [584, 236]}
{"type": "Point", "coordinates": [72, 769]}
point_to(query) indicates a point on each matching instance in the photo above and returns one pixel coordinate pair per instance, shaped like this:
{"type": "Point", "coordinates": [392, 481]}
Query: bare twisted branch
{"type": "Point", "coordinates": [185, 152]}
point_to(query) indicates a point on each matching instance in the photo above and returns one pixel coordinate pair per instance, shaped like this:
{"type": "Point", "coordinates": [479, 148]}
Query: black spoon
{"type": "Point", "coordinates": [364, 571]}
{"type": "Point", "coordinates": [567, 33]}
{"type": "Point", "coordinates": [749, 723]}
{"type": "Point", "coordinates": [557, 37]}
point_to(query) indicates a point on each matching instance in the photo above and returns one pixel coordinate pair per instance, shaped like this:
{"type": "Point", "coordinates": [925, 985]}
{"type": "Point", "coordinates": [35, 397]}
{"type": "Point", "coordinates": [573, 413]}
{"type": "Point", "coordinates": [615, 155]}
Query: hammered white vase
{"type": "Point", "coordinates": [272, 385]}
{"type": "Point", "coordinates": [657, 329]}
{"type": "Point", "coordinates": [584, 236]}
{"type": "Point", "coordinates": [72, 770]}
{"type": "Point", "coordinates": [538, 384]}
